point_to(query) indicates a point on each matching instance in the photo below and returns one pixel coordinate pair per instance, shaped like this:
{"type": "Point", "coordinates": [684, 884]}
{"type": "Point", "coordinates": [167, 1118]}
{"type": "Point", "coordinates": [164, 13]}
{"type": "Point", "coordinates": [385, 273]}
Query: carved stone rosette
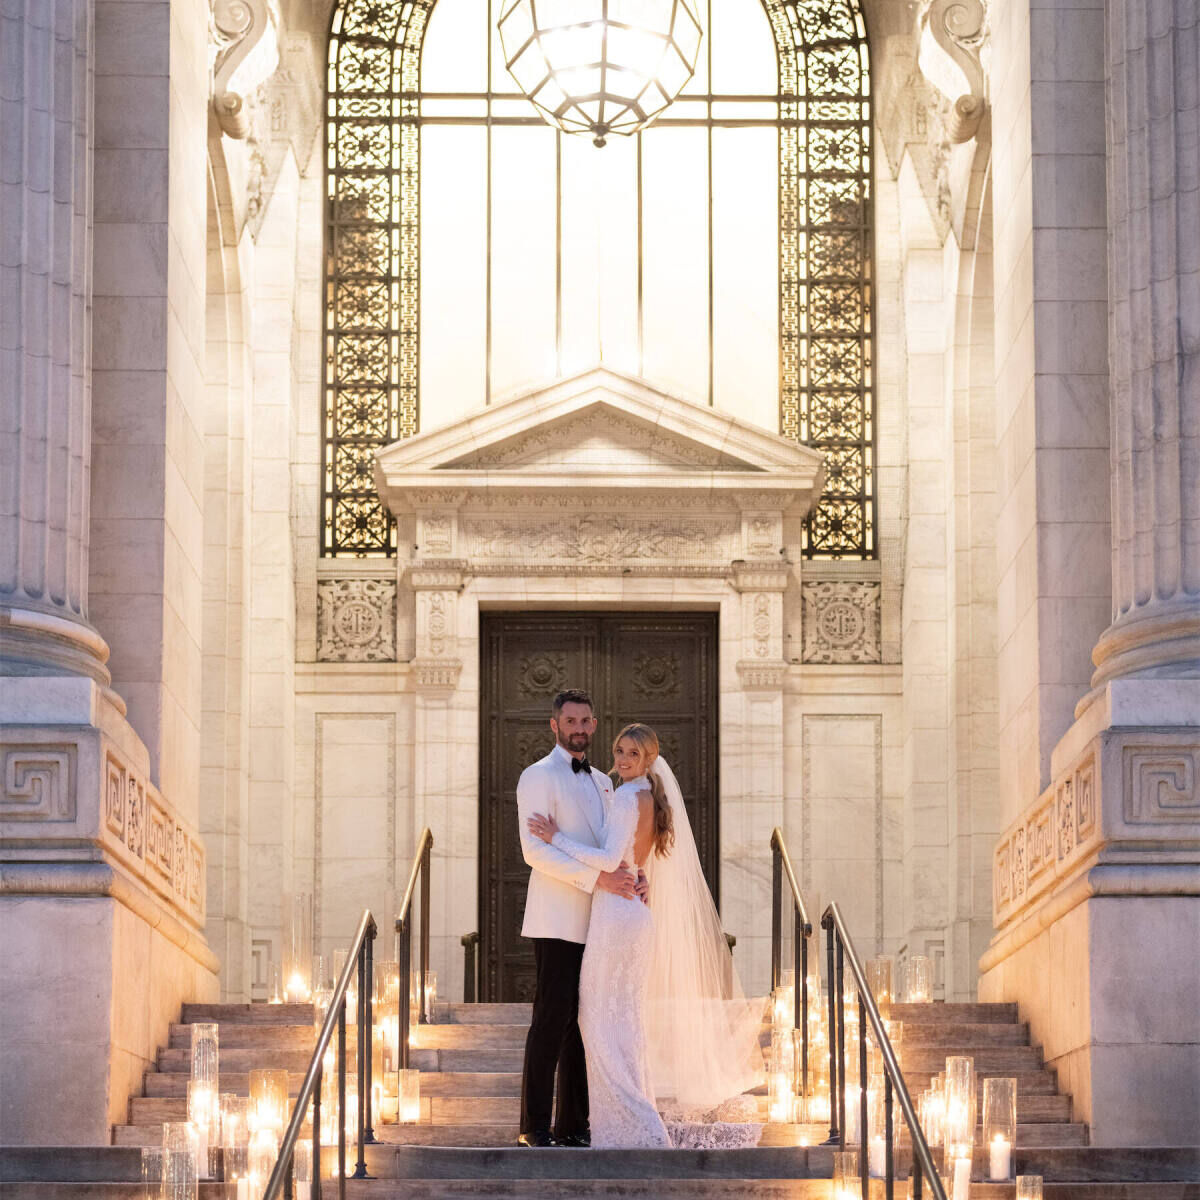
{"type": "Point", "coordinates": [356, 620]}
{"type": "Point", "coordinates": [841, 622]}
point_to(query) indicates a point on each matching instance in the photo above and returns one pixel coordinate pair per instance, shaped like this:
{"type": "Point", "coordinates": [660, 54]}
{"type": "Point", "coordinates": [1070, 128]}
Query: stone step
{"type": "Point", "coordinates": [962, 1036]}
{"type": "Point", "coordinates": [482, 1014]}
{"type": "Point", "coordinates": [990, 1060]}
{"type": "Point", "coordinates": [1029, 1083]}
{"type": "Point", "coordinates": [242, 1037]}
{"type": "Point", "coordinates": [469, 1037]}
{"type": "Point", "coordinates": [245, 1060]}
{"type": "Point", "coordinates": [608, 1189]}
{"type": "Point", "coordinates": [467, 1060]}
{"type": "Point", "coordinates": [939, 1013]}
{"type": "Point", "coordinates": [174, 1083]}
{"type": "Point", "coordinates": [249, 1014]}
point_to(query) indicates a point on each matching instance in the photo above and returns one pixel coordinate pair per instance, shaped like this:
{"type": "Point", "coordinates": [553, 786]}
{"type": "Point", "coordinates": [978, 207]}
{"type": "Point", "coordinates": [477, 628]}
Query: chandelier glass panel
{"type": "Point", "coordinates": [474, 251]}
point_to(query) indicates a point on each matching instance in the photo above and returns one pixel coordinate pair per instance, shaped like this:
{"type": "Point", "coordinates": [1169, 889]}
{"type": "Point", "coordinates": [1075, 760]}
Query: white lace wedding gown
{"type": "Point", "coordinates": [612, 992]}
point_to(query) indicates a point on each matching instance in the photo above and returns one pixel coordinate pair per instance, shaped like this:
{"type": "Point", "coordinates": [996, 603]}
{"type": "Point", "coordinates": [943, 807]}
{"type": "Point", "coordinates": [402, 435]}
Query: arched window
{"type": "Point", "coordinates": [473, 251]}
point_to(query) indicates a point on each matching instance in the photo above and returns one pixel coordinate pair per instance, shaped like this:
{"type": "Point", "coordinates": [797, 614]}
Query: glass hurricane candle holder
{"type": "Point", "coordinates": [298, 947]}
{"type": "Point", "coordinates": [206, 1056]}
{"type": "Point", "coordinates": [999, 1126]}
{"type": "Point", "coordinates": [958, 1128]}
{"type": "Point", "coordinates": [152, 1172]}
{"type": "Point", "coordinates": [268, 1102]}
{"type": "Point", "coordinates": [181, 1176]}
{"type": "Point", "coordinates": [410, 1096]}
{"type": "Point", "coordinates": [1029, 1187]}
{"type": "Point", "coordinates": [430, 994]}
{"type": "Point", "coordinates": [339, 965]}
{"type": "Point", "coordinates": [274, 990]}
{"type": "Point", "coordinates": [919, 980]}
{"type": "Point", "coordinates": [387, 986]}
{"type": "Point", "coordinates": [880, 972]}
{"type": "Point", "coordinates": [302, 1171]}
{"type": "Point", "coordinates": [204, 1112]}
{"type": "Point", "coordinates": [847, 1185]}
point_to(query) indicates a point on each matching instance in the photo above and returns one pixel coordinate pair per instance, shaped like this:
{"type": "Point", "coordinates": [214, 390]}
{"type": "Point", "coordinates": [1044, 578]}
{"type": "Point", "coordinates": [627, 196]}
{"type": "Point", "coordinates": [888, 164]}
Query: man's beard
{"type": "Point", "coordinates": [575, 743]}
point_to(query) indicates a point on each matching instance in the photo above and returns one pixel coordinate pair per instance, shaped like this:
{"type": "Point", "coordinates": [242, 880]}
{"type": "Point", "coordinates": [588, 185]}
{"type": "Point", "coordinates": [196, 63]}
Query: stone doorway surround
{"type": "Point", "coordinates": [597, 491]}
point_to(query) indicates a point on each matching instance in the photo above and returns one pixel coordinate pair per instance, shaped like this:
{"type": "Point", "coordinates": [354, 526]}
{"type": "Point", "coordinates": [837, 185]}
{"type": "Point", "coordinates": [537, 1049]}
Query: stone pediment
{"type": "Point", "coordinates": [597, 431]}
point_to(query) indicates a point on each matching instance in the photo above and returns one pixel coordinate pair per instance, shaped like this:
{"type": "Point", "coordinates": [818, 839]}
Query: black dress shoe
{"type": "Point", "coordinates": [578, 1141]}
{"type": "Point", "coordinates": [538, 1138]}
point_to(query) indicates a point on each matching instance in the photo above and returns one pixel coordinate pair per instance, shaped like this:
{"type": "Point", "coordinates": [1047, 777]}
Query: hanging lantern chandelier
{"type": "Point", "coordinates": [600, 66]}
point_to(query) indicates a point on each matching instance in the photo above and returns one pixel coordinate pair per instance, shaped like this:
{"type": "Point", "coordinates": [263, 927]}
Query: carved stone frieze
{"type": "Point", "coordinates": [762, 675]}
{"type": "Point", "coordinates": [437, 677]}
{"type": "Point", "coordinates": [356, 620]}
{"type": "Point", "coordinates": [841, 622]}
{"type": "Point", "coordinates": [1136, 792]}
{"type": "Point", "coordinates": [599, 540]}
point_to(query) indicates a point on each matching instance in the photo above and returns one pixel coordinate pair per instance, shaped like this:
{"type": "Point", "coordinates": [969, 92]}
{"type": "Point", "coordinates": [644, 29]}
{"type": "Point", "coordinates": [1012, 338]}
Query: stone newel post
{"type": "Point", "coordinates": [45, 420]}
{"type": "Point", "coordinates": [1154, 342]}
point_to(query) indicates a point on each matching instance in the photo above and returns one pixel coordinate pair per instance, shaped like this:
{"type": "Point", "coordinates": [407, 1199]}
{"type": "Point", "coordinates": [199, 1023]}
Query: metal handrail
{"type": "Point", "coordinates": [420, 870]}
{"type": "Point", "coordinates": [359, 959]}
{"type": "Point", "coordinates": [781, 863]}
{"type": "Point", "coordinates": [838, 940]}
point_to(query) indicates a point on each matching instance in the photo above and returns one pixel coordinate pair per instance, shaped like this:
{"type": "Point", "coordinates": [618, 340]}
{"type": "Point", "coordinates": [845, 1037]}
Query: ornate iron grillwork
{"type": "Point", "coordinates": [825, 253]}
{"type": "Point", "coordinates": [372, 262]}
{"type": "Point", "coordinates": [372, 298]}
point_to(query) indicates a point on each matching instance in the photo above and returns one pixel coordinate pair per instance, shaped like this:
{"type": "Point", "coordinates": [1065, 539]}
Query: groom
{"type": "Point", "coordinates": [566, 786]}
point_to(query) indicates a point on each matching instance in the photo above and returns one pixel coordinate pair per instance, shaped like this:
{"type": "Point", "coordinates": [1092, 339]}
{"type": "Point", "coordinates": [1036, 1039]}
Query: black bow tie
{"type": "Point", "coordinates": [581, 764]}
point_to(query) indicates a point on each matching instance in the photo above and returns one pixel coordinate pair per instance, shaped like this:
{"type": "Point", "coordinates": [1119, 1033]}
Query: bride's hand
{"type": "Point", "coordinates": [543, 827]}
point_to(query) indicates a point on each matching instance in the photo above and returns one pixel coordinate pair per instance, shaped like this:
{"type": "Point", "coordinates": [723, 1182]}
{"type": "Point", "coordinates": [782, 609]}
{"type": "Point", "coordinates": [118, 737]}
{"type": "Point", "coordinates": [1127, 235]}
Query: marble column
{"type": "Point", "coordinates": [1154, 271]}
{"type": "Point", "coordinates": [45, 277]}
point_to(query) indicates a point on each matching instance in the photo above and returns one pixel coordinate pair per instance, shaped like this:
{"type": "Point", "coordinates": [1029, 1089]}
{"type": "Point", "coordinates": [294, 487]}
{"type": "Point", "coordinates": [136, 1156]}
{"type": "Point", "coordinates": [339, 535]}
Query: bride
{"type": "Point", "coordinates": [665, 1024]}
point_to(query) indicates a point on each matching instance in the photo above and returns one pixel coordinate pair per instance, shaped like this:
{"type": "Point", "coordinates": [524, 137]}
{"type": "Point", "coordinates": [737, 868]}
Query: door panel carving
{"type": "Point", "coordinates": [659, 668]}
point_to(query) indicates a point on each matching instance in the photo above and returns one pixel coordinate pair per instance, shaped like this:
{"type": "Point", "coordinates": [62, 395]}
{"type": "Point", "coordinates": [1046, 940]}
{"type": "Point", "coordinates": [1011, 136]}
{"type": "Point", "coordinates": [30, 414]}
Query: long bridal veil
{"type": "Point", "coordinates": [702, 1032]}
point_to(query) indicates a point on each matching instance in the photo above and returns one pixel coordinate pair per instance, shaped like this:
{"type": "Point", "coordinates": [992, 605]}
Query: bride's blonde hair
{"type": "Point", "coordinates": [646, 741]}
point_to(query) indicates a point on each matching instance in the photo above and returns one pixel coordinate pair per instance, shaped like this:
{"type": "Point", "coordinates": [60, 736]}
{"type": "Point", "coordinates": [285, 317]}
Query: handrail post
{"type": "Point", "coordinates": [864, 1166]}
{"type": "Point", "coordinates": [316, 1133]}
{"type": "Point", "coordinates": [801, 939]}
{"type": "Point", "coordinates": [841, 1034]}
{"type": "Point", "coordinates": [341, 1105]}
{"type": "Point", "coordinates": [364, 1057]}
{"type": "Point", "coordinates": [404, 964]}
{"type": "Point", "coordinates": [831, 1032]}
{"type": "Point", "coordinates": [470, 944]}
{"type": "Point", "coordinates": [369, 1102]}
{"type": "Point", "coordinates": [422, 1014]}
{"type": "Point", "coordinates": [889, 1164]}
{"type": "Point", "coordinates": [776, 916]}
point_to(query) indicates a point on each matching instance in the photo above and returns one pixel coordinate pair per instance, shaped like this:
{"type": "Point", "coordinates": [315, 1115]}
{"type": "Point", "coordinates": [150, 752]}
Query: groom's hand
{"type": "Point", "coordinates": [643, 887]}
{"type": "Point", "coordinates": [620, 882]}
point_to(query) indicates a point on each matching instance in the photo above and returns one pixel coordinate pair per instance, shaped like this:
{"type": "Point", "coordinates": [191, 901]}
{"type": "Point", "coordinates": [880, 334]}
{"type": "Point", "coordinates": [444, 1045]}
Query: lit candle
{"type": "Point", "coordinates": [877, 1156]}
{"type": "Point", "coordinates": [243, 1189]}
{"type": "Point", "coordinates": [297, 990]}
{"type": "Point", "coordinates": [303, 1189]}
{"type": "Point", "coordinates": [999, 1157]}
{"type": "Point", "coordinates": [962, 1179]}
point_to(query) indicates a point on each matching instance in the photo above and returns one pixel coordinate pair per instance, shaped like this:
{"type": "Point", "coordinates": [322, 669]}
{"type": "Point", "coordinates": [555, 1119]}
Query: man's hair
{"type": "Point", "coordinates": [571, 696]}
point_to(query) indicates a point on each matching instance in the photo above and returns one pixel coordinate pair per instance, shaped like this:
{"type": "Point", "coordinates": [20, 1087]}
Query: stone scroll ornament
{"type": "Point", "coordinates": [950, 34]}
{"type": "Point", "coordinates": [243, 56]}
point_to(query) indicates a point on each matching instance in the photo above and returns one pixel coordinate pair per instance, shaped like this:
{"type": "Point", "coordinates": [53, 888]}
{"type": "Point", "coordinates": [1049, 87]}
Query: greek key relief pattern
{"type": "Point", "coordinates": [356, 620]}
{"type": "Point", "coordinates": [841, 622]}
{"type": "Point", "coordinates": [39, 784]}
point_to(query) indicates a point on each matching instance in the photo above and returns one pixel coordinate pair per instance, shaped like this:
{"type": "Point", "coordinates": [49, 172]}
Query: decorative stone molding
{"type": "Point", "coordinates": [437, 678]}
{"type": "Point", "coordinates": [1129, 795]}
{"type": "Point", "coordinates": [841, 622]}
{"type": "Point", "coordinates": [760, 576]}
{"type": "Point", "coordinates": [759, 675]}
{"type": "Point", "coordinates": [72, 792]}
{"type": "Point", "coordinates": [238, 30]}
{"type": "Point", "coordinates": [356, 620]}
{"type": "Point", "coordinates": [951, 34]}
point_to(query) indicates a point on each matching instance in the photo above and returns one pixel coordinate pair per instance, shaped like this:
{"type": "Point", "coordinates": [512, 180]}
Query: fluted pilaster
{"type": "Point", "coordinates": [1154, 273]}
{"type": "Point", "coordinates": [45, 261]}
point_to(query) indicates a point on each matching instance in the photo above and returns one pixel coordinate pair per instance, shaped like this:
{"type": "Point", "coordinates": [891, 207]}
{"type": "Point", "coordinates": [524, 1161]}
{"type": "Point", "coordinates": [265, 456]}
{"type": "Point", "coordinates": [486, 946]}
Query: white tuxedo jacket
{"type": "Point", "coordinates": [559, 903]}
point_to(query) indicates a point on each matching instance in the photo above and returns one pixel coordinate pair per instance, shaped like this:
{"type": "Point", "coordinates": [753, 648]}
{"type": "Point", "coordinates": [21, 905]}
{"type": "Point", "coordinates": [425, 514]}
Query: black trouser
{"type": "Point", "coordinates": [554, 1043]}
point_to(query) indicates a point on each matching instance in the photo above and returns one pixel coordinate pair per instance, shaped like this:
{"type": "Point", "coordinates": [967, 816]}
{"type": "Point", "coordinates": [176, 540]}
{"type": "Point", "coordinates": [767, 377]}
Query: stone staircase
{"type": "Point", "coordinates": [470, 1060]}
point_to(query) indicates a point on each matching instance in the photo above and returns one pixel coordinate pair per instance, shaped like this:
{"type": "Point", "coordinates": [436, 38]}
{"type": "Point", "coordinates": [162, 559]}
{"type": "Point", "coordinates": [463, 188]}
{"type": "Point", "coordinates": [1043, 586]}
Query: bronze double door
{"type": "Point", "coordinates": [660, 668]}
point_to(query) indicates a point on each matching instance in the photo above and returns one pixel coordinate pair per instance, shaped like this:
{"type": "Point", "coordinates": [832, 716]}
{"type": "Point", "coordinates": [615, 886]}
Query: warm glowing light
{"type": "Point", "coordinates": [298, 991]}
{"type": "Point", "coordinates": [600, 69]}
{"type": "Point", "coordinates": [410, 1097]}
